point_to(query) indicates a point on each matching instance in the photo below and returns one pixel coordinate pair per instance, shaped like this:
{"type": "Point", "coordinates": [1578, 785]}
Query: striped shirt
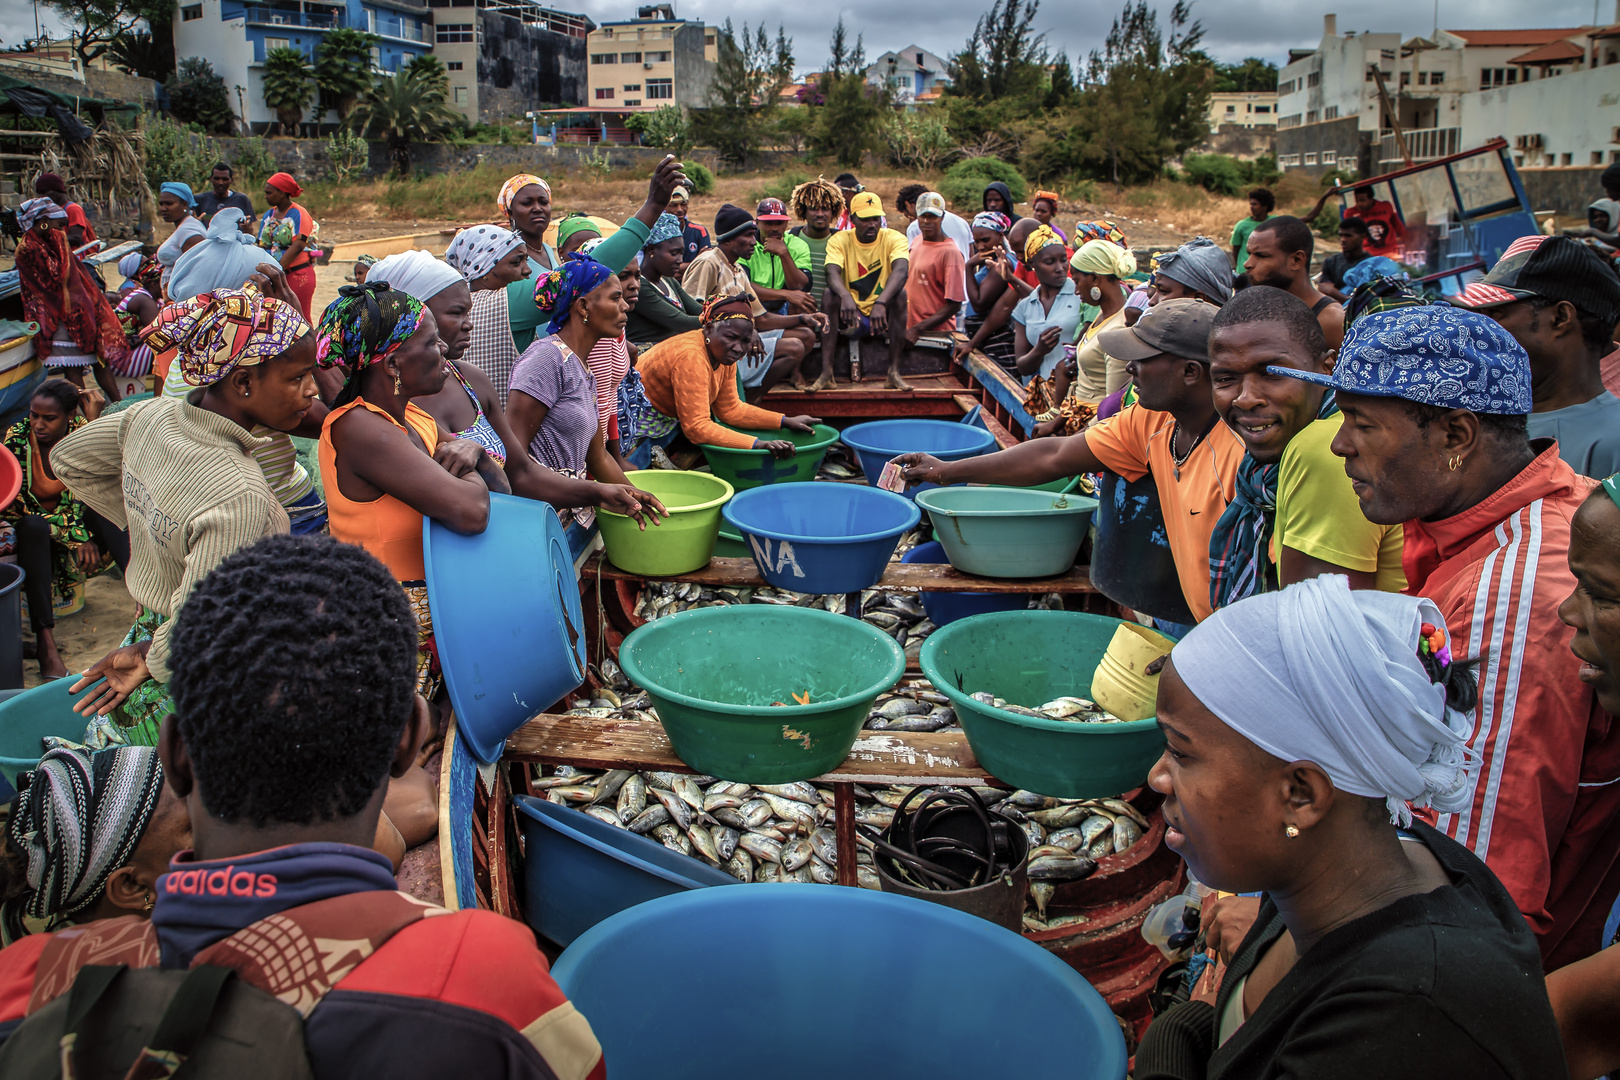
{"type": "Point", "coordinates": [609, 361]}
{"type": "Point", "coordinates": [1546, 790]}
{"type": "Point", "coordinates": [278, 457]}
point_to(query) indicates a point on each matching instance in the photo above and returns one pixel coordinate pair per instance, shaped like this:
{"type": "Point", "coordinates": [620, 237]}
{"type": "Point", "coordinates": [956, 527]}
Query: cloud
{"type": "Point", "coordinates": [1232, 31]}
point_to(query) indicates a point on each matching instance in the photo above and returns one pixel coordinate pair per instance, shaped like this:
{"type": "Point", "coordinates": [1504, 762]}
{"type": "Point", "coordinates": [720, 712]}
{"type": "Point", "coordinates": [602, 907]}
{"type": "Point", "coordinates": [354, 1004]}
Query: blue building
{"type": "Point", "coordinates": [235, 35]}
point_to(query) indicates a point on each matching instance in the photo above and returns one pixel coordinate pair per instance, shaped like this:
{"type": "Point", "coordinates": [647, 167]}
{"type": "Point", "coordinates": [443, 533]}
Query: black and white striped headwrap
{"type": "Point", "coordinates": [78, 817]}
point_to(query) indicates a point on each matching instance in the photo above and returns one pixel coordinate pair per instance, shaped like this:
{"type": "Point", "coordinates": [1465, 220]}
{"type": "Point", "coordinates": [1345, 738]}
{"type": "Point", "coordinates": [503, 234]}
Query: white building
{"type": "Point", "coordinates": [912, 75]}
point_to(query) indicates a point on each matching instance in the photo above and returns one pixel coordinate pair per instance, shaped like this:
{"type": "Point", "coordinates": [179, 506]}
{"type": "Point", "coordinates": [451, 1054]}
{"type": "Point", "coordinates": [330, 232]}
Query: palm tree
{"type": "Point", "coordinates": [429, 69]}
{"type": "Point", "coordinates": [289, 84]}
{"type": "Point", "coordinates": [401, 110]}
{"type": "Point", "coordinates": [343, 68]}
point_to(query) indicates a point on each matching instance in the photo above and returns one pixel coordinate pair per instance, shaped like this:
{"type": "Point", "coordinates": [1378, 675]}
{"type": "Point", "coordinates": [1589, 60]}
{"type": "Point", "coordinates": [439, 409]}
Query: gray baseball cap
{"type": "Point", "coordinates": [1177, 327]}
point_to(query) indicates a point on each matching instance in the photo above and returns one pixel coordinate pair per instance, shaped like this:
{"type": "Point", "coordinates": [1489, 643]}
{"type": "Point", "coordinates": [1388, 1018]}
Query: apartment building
{"type": "Point", "coordinates": [1242, 109]}
{"type": "Point", "coordinates": [507, 57]}
{"type": "Point", "coordinates": [652, 60]}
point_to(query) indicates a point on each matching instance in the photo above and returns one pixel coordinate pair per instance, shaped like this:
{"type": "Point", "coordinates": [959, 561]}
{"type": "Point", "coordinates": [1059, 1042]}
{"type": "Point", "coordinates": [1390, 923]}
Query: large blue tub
{"type": "Point", "coordinates": [876, 441]}
{"type": "Point", "coordinates": [817, 981]}
{"type": "Point", "coordinates": [944, 608]}
{"type": "Point", "coordinates": [821, 537]}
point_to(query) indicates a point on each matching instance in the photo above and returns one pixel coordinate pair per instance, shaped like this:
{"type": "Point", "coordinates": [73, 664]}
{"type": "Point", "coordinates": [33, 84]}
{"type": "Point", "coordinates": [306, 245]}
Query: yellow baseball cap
{"type": "Point", "coordinates": [866, 205]}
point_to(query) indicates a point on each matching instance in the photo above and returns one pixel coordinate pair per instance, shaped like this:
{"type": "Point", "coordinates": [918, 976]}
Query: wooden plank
{"type": "Point", "coordinates": [878, 757]}
{"type": "Point", "coordinates": [1004, 438]}
{"type": "Point", "coordinates": [742, 573]}
{"type": "Point", "coordinates": [844, 831]}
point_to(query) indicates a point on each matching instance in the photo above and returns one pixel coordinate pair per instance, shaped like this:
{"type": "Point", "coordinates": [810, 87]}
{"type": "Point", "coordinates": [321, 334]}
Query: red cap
{"type": "Point", "coordinates": [771, 210]}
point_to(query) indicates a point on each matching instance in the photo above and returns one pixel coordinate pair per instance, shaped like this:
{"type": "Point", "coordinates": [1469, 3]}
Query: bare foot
{"type": "Point", "coordinates": [51, 665]}
{"type": "Point", "coordinates": [799, 383]}
{"type": "Point", "coordinates": [895, 382]}
{"type": "Point", "coordinates": [825, 382]}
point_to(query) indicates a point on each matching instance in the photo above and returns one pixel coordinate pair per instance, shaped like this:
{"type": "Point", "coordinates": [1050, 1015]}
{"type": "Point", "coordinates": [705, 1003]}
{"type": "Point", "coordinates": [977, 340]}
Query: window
{"type": "Point", "coordinates": [1288, 159]}
{"type": "Point", "coordinates": [453, 65]}
{"type": "Point", "coordinates": [1312, 116]}
{"type": "Point", "coordinates": [376, 57]}
{"type": "Point", "coordinates": [276, 43]}
{"type": "Point", "coordinates": [656, 57]}
{"type": "Point", "coordinates": [1313, 79]}
{"type": "Point", "coordinates": [1437, 78]}
{"type": "Point", "coordinates": [1230, 109]}
{"type": "Point", "coordinates": [708, 41]}
{"type": "Point", "coordinates": [1406, 78]}
{"type": "Point", "coordinates": [632, 101]}
{"type": "Point", "coordinates": [604, 93]}
{"type": "Point", "coordinates": [1331, 113]}
{"type": "Point", "coordinates": [1330, 157]}
{"type": "Point", "coordinates": [1288, 121]}
{"type": "Point", "coordinates": [632, 88]}
{"type": "Point", "coordinates": [1489, 77]}
{"type": "Point", "coordinates": [461, 95]}
{"type": "Point", "coordinates": [1568, 159]}
{"type": "Point", "coordinates": [1310, 159]}
{"type": "Point", "coordinates": [1262, 108]}
{"type": "Point", "coordinates": [604, 58]}
{"type": "Point", "coordinates": [190, 12]}
{"type": "Point", "coordinates": [1597, 157]}
{"type": "Point", "coordinates": [661, 88]}
{"type": "Point", "coordinates": [453, 33]}
{"type": "Point", "coordinates": [629, 58]}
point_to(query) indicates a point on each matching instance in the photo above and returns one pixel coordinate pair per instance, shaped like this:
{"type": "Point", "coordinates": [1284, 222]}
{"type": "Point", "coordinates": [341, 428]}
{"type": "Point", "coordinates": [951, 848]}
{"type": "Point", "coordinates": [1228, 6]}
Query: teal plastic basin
{"type": "Point", "coordinates": [1008, 532]}
{"type": "Point", "coordinates": [1031, 657]}
{"type": "Point", "coordinates": [27, 717]}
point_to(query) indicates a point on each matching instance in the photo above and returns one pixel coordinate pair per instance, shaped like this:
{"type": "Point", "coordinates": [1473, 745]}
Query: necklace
{"type": "Point", "coordinates": [1175, 436]}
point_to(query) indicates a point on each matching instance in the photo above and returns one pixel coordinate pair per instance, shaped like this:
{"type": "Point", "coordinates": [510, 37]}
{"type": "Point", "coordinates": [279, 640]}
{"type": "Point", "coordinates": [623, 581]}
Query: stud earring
{"type": "Point", "coordinates": [247, 393]}
{"type": "Point", "coordinates": [1292, 832]}
{"type": "Point", "coordinates": [1455, 463]}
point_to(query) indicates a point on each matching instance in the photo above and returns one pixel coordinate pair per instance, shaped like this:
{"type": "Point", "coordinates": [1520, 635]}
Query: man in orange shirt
{"type": "Point", "coordinates": [1172, 432]}
{"type": "Point", "coordinates": [936, 277]}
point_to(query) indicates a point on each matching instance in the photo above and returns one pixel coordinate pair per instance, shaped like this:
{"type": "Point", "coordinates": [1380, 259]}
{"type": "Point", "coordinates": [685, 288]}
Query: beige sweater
{"type": "Point", "coordinates": [184, 482]}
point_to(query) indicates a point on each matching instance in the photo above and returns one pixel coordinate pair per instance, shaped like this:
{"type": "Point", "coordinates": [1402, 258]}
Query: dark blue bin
{"type": "Point", "coordinates": [947, 607]}
{"type": "Point", "coordinates": [819, 537]}
{"type": "Point", "coordinates": [876, 441]}
{"type": "Point", "coordinates": [580, 870]}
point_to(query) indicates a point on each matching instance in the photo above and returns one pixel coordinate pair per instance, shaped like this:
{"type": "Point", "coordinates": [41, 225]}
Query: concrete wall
{"type": "Point", "coordinates": [1575, 114]}
{"type": "Point", "coordinates": [1566, 192]}
{"type": "Point", "coordinates": [1342, 63]}
{"type": "Point", "coordinates": [1343, 138]}
{"type": "Point", "coordinates": [522, 66]}
{"type": "Point", "coordinates": [693, 73]}
{"type": "Point", "coordinates": [306, 158]}
{"type": "Point", "coordinates": [1247, 143]}
{"type": "Point", "coordinates": [118, 86]}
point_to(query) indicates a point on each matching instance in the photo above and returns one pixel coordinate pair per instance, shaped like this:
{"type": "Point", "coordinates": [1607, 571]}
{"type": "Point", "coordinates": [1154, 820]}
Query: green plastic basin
{"type": "Point", "coordinates": [1008, 532]}
{"type": "Point", "coordinates": [730, 544]}
{"type": "Point", "coordinates": [684, 540]}
{"type": "Point", "coordinates": [744, 469]}
{"type": "Point", "coordinates": [1029, 658]}
{"type": "Point", "coordinates": [714, 672]}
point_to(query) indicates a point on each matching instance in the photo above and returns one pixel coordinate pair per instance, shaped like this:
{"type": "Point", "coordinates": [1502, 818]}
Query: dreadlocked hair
{"type": "Point", "coordinates": [294, 669]}
{"type": "Point", "coordinates": [818, 194]}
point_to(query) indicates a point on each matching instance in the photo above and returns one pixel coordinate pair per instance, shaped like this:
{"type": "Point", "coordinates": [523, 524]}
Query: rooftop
{"type": "Point", "coordinates": [1554, 52]}
{"type": "Point", "coordinates": [1517, 37]}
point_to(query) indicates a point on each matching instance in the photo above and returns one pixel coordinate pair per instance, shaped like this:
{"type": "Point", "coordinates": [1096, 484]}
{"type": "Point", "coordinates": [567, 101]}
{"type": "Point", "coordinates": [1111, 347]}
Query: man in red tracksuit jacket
{"type": "Point", "coordinates": [294, 687]}
{"type": "Point", "coordinates": [1434, 438]}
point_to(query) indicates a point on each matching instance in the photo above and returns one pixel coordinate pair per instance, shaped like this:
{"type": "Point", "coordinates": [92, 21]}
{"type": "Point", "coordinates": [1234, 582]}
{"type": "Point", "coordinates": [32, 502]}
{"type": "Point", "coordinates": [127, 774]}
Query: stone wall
{"type": "Point", "coordinates": [1245, 143]}
{"type": "Point", "coordinates": [119, 86]}
{"type": "Point", "coordinates": [523, 65]}
{"type": "Point", "coordinates": [306, 158]}
{"type": "Point", "coordinates": [1565, 191]}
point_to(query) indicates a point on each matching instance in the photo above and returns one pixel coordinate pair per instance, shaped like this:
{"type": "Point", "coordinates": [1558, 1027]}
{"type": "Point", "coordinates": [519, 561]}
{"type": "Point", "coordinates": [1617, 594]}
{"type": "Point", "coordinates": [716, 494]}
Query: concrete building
{"type": "Point", "coordinates": [652, 60]}
{"type": "Point", "coordinates": [913, 75]}
{"type": "Point", "coordinates": [235, 35]}
{"type": "Point", "coordinates": [507, 57]}
{"type": "Point", "coordinates": [1242, 109]}
{"type": "Point", "coordinates": [1339, 104]}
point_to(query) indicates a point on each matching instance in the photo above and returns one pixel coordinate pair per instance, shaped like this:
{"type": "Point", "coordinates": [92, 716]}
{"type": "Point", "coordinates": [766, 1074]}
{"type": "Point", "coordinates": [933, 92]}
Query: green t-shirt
{"type": "Point", "coordinates": [766, 269]}
{"type": "Point", "coordinates": [818, 262]}
{"type": "Point", "coordinates": [1240, 238]}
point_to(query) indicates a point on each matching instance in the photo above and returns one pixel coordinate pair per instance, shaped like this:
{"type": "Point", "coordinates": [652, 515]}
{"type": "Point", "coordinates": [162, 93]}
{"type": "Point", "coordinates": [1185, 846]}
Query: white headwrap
{"type": "Point", "coordinates": [415, 273]}
{"type": "Point", "coordinates": [1320, 673]}
{"type": "Point", "coordinates": [129, 264]}
{"type": "Point", "coordinates": [224, 259]}
{"type": "Point", "coordinates": [476, 250]}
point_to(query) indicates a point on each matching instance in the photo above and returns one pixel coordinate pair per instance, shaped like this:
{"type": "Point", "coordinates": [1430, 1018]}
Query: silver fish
{"type": "Point", "coordinates": [1093, 827]}
{"type": "Point", "coordinates": [704, 843]}
{"type": "Point", "coordinates": [1060, 868]}
{"type": "Point", "coordinates": [904, 706]}
{"type": "Point", "coordinates": [1041, 892]}
{"type": "Point", "coordinates": [648, 819]}
{"type": "Point", "coordinates": [879, 817]}
{"type": "Point", "coordinates": [720, 800]}
{"type": "Point", "coordinates": [689, 792]}
{"type": "Point", "coordinates": [740, 866]}
{"type": "Point", "coordinates": [1033, 830]}
{"type": "Point", "coordinates": [867, 878]}
{"type": "Point", "coordinates": [665, 780]}
{"type": "Point", "coordinates": [678, 810]}
{"type": "Point", "coordinates": [1070, 840]}
{"type": "Point", "coordinates": [1061, 817]}
{"type": "Point", "coordinates": [603, 814]}
{"type": "Point", "coordinates": [1120, 806]}
{"type": "Point", "coordinates": [1126, 833]}
{"type": "Point", "coordinates": [825, 843]}
{"type": "Point", "coordinates": [772, 830]}
{"type": "Point", "coordinates": [731, 819]}
{"type": "Point", "coordinates": [795, 853]}
{"type": "Point", "coordinates": [1102, 847]}
{"type": "Point", "coordinates": [760, 847]}
{"type": "Point", "coordinates": [803, 875]}
{"type": "Point", "coordinates": [798, 813]}
{"type": "Point", "coordinates": [755, 812]}
{"type": "Point", "coordinates": [798, 791]}
{"type": "Point", "coordinates": [611, 784]}
{"type": "Point", "coordinates": [821, 873]}
{"type": "Point", "coordinates": [672, 838]}
{"type": "Point", "coordinates": [768, 873]}
{"type": "Point", "coordinates": [930, 722]}
{"type": "Point", "coordinates": [574, 792]}
{"type": "Point", "coordinates": [725, 840]}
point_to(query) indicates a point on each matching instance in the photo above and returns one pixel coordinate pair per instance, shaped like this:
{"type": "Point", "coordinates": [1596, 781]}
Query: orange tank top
{"type": "Point", "coordinates": [386, 527]}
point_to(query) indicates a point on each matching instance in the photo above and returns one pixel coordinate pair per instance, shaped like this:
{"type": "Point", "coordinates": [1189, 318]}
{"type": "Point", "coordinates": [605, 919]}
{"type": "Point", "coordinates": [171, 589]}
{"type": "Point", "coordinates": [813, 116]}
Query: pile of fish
{"type": "Point", "coordinates": [660, 598]}
{"type": "Point", "coordinates": [784, 832]}
{"type": "Point", "coordinates": [914, 705]}
{"type": "Point", "coordinates": [1077, 710]}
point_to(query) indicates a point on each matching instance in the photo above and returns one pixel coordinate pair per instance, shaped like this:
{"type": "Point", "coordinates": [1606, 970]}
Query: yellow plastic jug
{"type": "Point", "coordinates": [1119, 684]}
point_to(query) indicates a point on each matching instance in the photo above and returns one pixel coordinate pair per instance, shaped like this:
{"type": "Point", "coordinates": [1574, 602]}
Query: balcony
{"type": "Point", "coordinates": [313, 18]}
{"type": "Point", "coordinates": [397, 29]}
{"type": "Point", "coordinates": [1424, 144]}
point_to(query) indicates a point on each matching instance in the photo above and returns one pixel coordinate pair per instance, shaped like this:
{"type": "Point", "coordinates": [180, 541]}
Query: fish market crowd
{"type": "Point", "coordinates": [1375, 832]}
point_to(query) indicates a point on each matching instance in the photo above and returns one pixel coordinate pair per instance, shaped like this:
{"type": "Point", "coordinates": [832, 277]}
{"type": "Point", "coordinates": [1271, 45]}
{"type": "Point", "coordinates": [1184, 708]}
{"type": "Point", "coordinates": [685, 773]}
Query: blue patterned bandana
{"type": "Point", "coordinates": [1436, 355]}
{"type": "Point", "coordinates": [667, 227]}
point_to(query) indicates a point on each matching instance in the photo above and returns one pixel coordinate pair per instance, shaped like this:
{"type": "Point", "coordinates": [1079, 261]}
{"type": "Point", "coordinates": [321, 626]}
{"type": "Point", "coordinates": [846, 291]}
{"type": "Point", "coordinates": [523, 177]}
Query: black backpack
{"type": "Point", "coordinates": [142, 1024]}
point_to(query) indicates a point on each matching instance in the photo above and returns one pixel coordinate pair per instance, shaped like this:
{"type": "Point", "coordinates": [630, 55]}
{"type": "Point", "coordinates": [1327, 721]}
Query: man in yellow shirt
{"type": "Point", "coordinates": [1294, 514]}
{"type": "Point", "coordinates": [866, 290]}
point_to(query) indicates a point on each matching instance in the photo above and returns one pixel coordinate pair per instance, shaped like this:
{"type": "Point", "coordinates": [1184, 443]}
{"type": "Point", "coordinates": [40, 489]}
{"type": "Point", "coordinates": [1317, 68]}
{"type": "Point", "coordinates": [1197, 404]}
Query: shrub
{"type": "Point", "coordinates": [779, 187]}
{"type": "Point", "coordinates": [965, 181]}
{"type": "Point", "coordinates": [666, 127]}
{"type": "Point", "coordinates": [197, 95]}
{"type": "Point", "coordinates": [702, 179]}
{"type": "Point", "coordinates": [253, 159]}
{"type": "Point", "coordinates": [917, 140]}
{"type": "Point", "coordinates": [348, 155]}
{"type": "Point", "coordinates": [1220, 173]}
{"type": "Point", "coordinates": [172, 151]}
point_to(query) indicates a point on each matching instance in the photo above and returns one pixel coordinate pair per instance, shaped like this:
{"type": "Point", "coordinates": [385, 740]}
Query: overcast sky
{"type": "Point", "coordinates": [1234, 29]}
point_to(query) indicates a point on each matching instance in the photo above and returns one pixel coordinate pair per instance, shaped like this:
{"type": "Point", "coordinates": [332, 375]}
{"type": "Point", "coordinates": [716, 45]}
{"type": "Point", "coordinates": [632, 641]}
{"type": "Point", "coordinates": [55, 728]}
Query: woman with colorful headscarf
{"type": "Point", "coordinates": [177, 206]}
{"type": "Point", "coordinates": [178, 472]}
{"type": "Point", "coordinates": [88, 836]}
{"type": "Point", "coordinates": [77, 326]}
{"type": "Point", "coordinates": [1097, 269]}
{"type": "Point", "coordinates": [663, 308]}
{"type": "Point", "coordinates": [286, 230]}
{"type": "Point", "coordinates": [691, 380]}
{"type": "Point", "coordinates": [1048, 318]}
{"type": "Point", "coordinates": [552, 404]}
{"type": "Point", "coordinates": [382, 463]}
{"type": "Point", "coordinates": [362, 267]}
{"type": "Point", "coordinates": [1043, 207]}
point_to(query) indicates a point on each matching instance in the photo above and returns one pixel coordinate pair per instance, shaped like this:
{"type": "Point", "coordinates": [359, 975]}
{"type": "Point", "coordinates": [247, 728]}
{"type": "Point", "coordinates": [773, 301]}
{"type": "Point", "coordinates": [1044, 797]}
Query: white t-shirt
{"type": "Point", "coordinates": [171, 248]}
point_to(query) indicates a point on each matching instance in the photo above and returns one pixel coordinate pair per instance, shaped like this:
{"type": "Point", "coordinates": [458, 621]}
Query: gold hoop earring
{"type": "Point", "coordinates": [1455, 462]}
{"type": "Point", "coordinates": [1292, 832]}
{"type": "Point", "coordinates": [396, 386]}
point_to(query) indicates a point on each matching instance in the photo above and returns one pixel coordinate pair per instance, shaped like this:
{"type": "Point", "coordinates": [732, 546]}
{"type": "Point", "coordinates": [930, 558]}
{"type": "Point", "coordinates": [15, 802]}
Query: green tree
{"type": "Point", "coordinates": [998, 77]}
{"type": "Point", "coordinates": [198, 96]}
{"type": "Point", "coordinates": [343, 68]}
{"type": "Point", "coordinates": [429, 69]}
{"type": "Point", "coordinates": [401, 110]}
{"type": "Point", "coordinates": [1060, 90]}
{"type": "Point", "coordinates": [1253, 75]}
{"type": "Point", "coordinates": [795, 125]}
{"type": "Point", "coordinates": [97, 24]}
{"type": "Point", "coordinates": [851, 118]}
{"type": "Point", "coordinates": [289, 86]}
{"type": "Point", "coordinates": [147, 53]}
{"type": "Point", "coordinates": [172, 151]}
{"type": "Point", "coordinates": [741, 96]}
{"type": "Point", "coordinates": [665, 128]}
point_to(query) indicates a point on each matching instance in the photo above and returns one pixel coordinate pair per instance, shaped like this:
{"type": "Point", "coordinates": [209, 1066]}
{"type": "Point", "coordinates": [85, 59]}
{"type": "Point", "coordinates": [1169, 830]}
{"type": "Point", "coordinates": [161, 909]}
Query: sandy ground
{"type": "Point", "coordinates": [89, 635]}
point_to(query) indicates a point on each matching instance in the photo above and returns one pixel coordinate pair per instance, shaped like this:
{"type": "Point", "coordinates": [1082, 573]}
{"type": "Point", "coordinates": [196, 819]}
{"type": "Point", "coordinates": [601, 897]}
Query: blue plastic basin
{"type": "Point", "coordinates": [507, 619]}
{"type": "Point", "coordinates": [818, 537]}
{"type": "Point", "coordinates": [944, 608]}
{"type": "Point", "coordinates": [824, 981]}
{"type": "Point", "coordinates": [580, 871]}
{"type": "Point", "coordinates": [876, 441]}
